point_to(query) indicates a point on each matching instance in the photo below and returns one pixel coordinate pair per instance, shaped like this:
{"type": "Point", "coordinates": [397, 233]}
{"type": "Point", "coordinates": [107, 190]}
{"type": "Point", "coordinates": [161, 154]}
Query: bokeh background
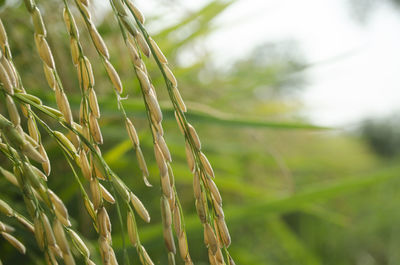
{"type": "Point", "coordinates": [296, 103]}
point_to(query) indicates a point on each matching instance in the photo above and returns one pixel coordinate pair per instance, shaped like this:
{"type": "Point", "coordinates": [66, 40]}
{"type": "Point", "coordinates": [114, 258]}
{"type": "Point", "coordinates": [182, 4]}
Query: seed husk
{"type": "Point", "coordinates": [46, 164]}
{"type": "Point", "coordinates": [38, 22]}
{"type": "Point", "coordinates": [44, 51]}
{"type": "Point", "coordinates": [143, 44]}
{"type": "Point", "coordinates": [119, 6]}
{"type": "Point", "coordinates": [121, 188]}
{"type": "Point", "coordinates": [164, 148]}
{"type": "Point", "coordinates": [194, 136]}
{"type": "Point", "coordinates": [183, 246]}
{"type": "Point", "coordinates": [165, 212]}
{"type": "Point", "coordinates": [114, 77]}
{"type": "Point", "coordinates": [139, 207]}
{"type": "Point", "coordinates": [132, 132]}
{"type": "Point", "coordinates": [65, 141]}
{"type": "Point", "coordinates": [206, 165]}
{"type": "Point", "coordinates": [47, 228]}
{"type": "Point", "coordinates": [223, 229]}
{"type": "Point", "coordinates": [189, 157]}
{"type": "Point", "coordinates": [177, 220]}
{"type": "Point", "coordinates": [165, 186]}
{"type": "Point", "coordinates": [10, 71]}
{"type": "Point", "coordinates": [196, 185]}
{"type": "Point", "coordinates": [96, 194]}
{"type": "Point", "coordinates": [143, 166]}
{"type": "Point", "coordinates": [95, 129]}
{"type": "Point", "coordinates": [154, 107]}
{"type": "Point", "coordinates": [9, 176]}
{"type": "Point", "coordinates": [104, 222]}
{"type": "Point", "coordinates": [106, 194]}
{"type": "Point", "coordinates": [31, 175]}
{"type": "Point", "coordinates": [94, 105]}
{"type": "Point", "coordinates": [70, 24]}
{"type": "Point", "coordinates": [158, 53]}
{"type": "Point", "coordinates": [63, 105]}
{"type": "Point", "coordinates": [5, 79]}
{"type": "Point", "coordinates": [68, 259]}
{"type": "Point", "coordinates": [162, 166]}
{"type": "Point", "coordinates": [214, 191]}
{"type": "Point", "coordinates": [179, 99]}
{"type": "Point", "coordinates": [138, 14]}
{"type": "Point", "coordinates": [146, 256]}
{"type": "Point", "coordinates": [75, 54]}
{"type": "Point", "coordinates": [143, 79]}
{"type": "Point", "coordinates": [201, 212]}
{"type": "Point", "coordinates": [85, 167]}
{"type": "Point", "coordinates": [129, 25]}
{"type": "Point", "coordinates": [12, 111]}
{"type": "Point", "coordinates": [6, 209]}
{"type": "Point", "coordinates": [3, 34]}
{"type": "Point", "coordinates": [14, 242]}
{"type": "Point", "coordinates": [33, 131]}
{"type": "Point", "coordinates": [170, 75]}
{"type": "Point", "coordinates": [60, 209]}
{"type": "Point", "coordinates": [80, 245]}
{"type": "Point", "coordinates": [133, 51]}
{"type": "Point", "coordinates": [211, 239]}
{"type": "Point", "coordinates": [131, 227]}
{"type": "Point", "coordinates": [169, 239]}
{"type": "Point", "coordinates": [98, 41]}
{"type": "Point", "coordinates": [39, 232]}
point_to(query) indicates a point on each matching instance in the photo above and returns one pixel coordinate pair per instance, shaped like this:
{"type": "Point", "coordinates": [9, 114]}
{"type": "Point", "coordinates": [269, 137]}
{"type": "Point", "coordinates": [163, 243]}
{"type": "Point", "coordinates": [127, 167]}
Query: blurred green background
{"type": "Point", "coordinates": [294, 193]}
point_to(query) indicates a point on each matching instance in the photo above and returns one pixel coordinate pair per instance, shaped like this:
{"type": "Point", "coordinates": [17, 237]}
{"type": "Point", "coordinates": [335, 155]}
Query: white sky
{"type": "Point", "coordinates": [363, 84]}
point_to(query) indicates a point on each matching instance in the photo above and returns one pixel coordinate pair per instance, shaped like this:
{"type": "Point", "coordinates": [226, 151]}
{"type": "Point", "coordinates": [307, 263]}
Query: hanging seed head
{"type": "Point", "coordinates": [114, 77]}
{"type": "Point", "coordinates": [131, 227]}
{"type": "Point", "coordinates": [14, 242]}
{"type": "Point", "coordinates": [44, 51]}
{"type": "Point", "coordinates": [98, 41]}
{"type": "Point", "coordinates": [139, 207]}
{"type": "Point", "coordinates": [38, 22]}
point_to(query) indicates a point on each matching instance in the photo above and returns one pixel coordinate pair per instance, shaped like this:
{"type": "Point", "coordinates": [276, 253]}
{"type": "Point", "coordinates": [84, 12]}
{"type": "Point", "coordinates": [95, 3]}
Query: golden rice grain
{"type": "Point", "coordinates": [14, 242]}
{"type": "Point", "coordinates": [39, 232]}
{"type": "Point", "coordinates": [201, 211]}
{"type": "Point", "coordinates": [68, 259]}
{"type": "Point", "coordinates": [104, 222]}
{"type": "Point", "coordinates": [32, 129]}
{"type": "Point", "coordinates": [75, 53]}
{"type": "Point", "coordinates": [154, 107]}
{"type": "Point", "coordinates": [177, 220]}
{"type": "Point", "coordinates": [196, 185]}
{"type": "Point", "coordinates": [131, 227]}
{"type": "Point", "coordinates": [189, 157]}
{"type": "Point", "coordinates": [211, 239]}
{"type": "Point", "coordinates": [214, 191]}
{"type": "Point", "coordinates": [165, 186]}
{"type": "Point", "coordinates": [44, 51]}
{"type": "Point", "coordinates": [46, 164]}
{"type": "Point", "coordinates": [95, 129]}
{"type": "Point", "coordinates": [38, 22]}
{"type": "Point", "coordinates": [10, 71]}
{"type": "Point", "coordinates": [98, 41]}
{"type": "Point", "coordinates": [132, 132]}
{"type": "Point", "coordinates": [158, 53]}
{"type": "Point", "coordinates": [143, 79]}
{"type": "Point", "coordinates": [223, 229]}
{"type": "Point", "coordinates": [162, 166]}
{"type": "Point", "coordinates": [106, 194]}
{"type": "Point", "coordinates": [138, 14]}
{"type": "Point", "coordinates": [50, 240]}
{"type": "Point", "coordinates": [179, 121]}
{"type": "Point", "coordinates": [49, 76]}
{"type": "Point", "coordinates": [121, 188]}
{"type": "Point", "coordinates": [93, 104]}
{"type": "Point", "coordinates": [6, 209]}
{"type": "Point", "coordinates": [129, 25]}
{"type": "Point", "coordinates": [183, 246]}
{"type": "Point", "coordinates": [12, 111]}
{"type": "Point", "coordinates": [120, 7]}
{"type": "Point", "coordinates": [70, 24]}
{"type": "Point", "coordinates": [114, 77]}
{"type": "Point", "coordinates": [139, 207]}
{"type": "Point", "coordinates": [194, 136]}
{"type": "Point", "coordinates": [5, 79]}
{"type": "Point", "coordinates": [3, 34]}
{"type": "Point", "coordinates": [143, 44]}
{"type": "Point", "coordinates": [165, 212]}
{"type": "Point", "coordinates": [206, 165]}
{"type": "Point", "coordinates": [169, 239]}
{"type": "Point", "coordinates": [80, 245]}
{"type": "Point", "coordinates": [96, 194]}
{"type": "Point", "coordinates": [170, 75]}
{"type": "Point", "coordinates": [60, 209]}
{"type": "Point", "coordinates": [146, 256]}
{"type": "Point", "coordinates": [65, 142]}
{"type": "Point", "coordinates": [85, 167]}
{"type": "Point", "coordinates": [179, 100]}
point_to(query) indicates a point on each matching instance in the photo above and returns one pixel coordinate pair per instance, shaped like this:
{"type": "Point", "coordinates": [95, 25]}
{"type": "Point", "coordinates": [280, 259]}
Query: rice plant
{"type": "Point", "coordinates": [79, 138]}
